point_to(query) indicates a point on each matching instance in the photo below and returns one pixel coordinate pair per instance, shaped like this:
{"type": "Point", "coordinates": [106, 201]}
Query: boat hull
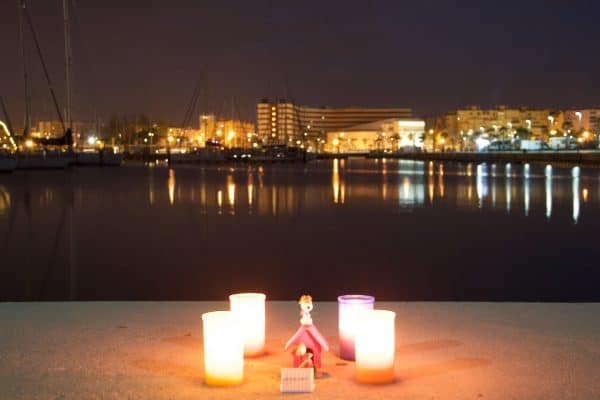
{"type": "Point", "coordinates": [106, 158]}
{"type": "Point", "coordinates": [7, 164]}
{"type": "Point", "coordinates": [197, 156]}
{"type": "Point", "coordinates": [43, 161]}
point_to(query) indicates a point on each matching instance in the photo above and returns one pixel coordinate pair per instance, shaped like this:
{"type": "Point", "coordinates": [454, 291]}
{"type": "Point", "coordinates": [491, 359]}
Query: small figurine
{"type": "Point", "coordinates": [307, 343]}
{"type": "Point", "coordinates": [306, 307]}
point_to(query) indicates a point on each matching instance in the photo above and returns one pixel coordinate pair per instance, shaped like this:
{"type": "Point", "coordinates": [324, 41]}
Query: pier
{"type": "Point", "coordinates": [443, 350]}
{"type": "Point", "coordinates": [587, 158]}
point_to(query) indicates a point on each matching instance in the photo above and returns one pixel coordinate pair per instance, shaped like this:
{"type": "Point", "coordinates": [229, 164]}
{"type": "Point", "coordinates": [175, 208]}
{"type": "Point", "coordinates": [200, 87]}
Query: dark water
{"type": "Point", "coordinates": [397, 229]}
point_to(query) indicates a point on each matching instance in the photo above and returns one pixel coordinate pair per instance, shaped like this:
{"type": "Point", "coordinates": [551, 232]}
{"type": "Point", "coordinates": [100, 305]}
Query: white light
{"type": "Point", "coordinates": [223, 349]}
{"type": "Point", "coordinates": [249, 309]}
{"type": "Point", "coordinates": [375, 347]}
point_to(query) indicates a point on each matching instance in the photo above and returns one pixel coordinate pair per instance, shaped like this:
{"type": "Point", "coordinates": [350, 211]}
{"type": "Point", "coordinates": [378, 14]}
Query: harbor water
{"type": "Point", "coordinates": [396, 229]}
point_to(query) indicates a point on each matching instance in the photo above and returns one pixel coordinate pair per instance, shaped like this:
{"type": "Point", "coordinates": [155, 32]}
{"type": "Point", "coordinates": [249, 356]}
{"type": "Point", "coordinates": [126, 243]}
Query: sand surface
{"type": "Point", "coordinates": [152, 350]}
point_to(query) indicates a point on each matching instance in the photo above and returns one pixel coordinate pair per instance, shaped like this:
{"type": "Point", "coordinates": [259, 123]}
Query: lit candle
{"type": "Point", "coordinates": [350, 307]}
{"type": "Point", "coordinates": [223, 349]}
{"type": "Point", "coordinates": [249, 309]}
{"type": "Point", "coordinates": [375, 347]}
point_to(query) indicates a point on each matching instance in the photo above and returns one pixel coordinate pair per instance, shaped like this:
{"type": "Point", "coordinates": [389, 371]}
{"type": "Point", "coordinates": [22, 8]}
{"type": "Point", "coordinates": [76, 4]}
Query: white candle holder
{"type": "Point", "coordinates": [350, 306]}
{"type": "Point", "coordinates": [223, 349]}
{"type": "Point", "coordinates": [375, 345]}
{"type": "Point", "coordinates": [249, 309]}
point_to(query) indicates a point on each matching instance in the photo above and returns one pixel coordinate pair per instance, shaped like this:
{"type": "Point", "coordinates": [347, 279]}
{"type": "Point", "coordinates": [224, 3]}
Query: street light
{"type": "Point", "coordinates": [151, 135]}
{"type": "Point", "coordinates": [578, 115]}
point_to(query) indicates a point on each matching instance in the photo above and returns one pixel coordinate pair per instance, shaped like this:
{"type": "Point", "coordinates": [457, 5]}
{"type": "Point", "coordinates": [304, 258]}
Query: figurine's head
{"type": "Point", "coordinates": [306, 303]}
{"type": "Point", "coordinates": [300, 350]}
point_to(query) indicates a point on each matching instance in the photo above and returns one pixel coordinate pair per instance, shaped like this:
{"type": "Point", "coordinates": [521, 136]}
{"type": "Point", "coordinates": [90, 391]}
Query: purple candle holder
{"type": "Point", "coordinates": [350, 307]}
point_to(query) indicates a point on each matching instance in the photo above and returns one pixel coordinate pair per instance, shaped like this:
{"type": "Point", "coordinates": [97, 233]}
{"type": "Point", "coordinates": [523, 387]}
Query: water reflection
{"type": "Point", "coordinates": [250, 189]}
{"type": "Point", "coordinates": [481, 184]}
{"type": "Point", "coordinates": [231, 194]}
{"type": "Point", "coordinates": [526, 189]}
{"type": "Point", "coordinates": [548, 186]}
{"type": "Point", "coordinates": [150, 186]}
{"type": "Point", "coordinates": [408, 184]}
{"type": "Point", "coordinates": [575, 190]}
{"type": "Point", "coordinates": [51, 222]}
{"type": "Point", "coordinates": [441, 181]}
{"type": "Point", "coordinates": [171, 186]}
{"type": "Point", "coordinates": [219, 202]}
{"type": "Point", "coordinates": [4, 200]}
{"type": "Point", "coordinates": [273, 190]}
{"type": "Point", "coordinates": [508, 187]}
{"type": "Point", "coordinates": [337, 184]}
{"type": "Point", "coordinates": [384, 179]}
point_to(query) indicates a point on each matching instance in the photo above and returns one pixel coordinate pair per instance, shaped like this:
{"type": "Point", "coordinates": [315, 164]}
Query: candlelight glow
{"type": "Point", "coordinates": [350, 308]}
{"type": "Point", "coordinates": [223, 349]}
{"type": "Point", "coordinates": [375, 347]}
{"type": "Point", "coordinates": [249, 309]}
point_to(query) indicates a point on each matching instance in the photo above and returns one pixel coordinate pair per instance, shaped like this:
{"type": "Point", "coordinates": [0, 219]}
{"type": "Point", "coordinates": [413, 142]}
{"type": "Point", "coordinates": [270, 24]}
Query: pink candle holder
{"type": "Point", "coordinates": [350, 308]}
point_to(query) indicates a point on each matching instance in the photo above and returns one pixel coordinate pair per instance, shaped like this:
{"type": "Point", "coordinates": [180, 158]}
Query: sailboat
{"type": "Point", "coordinates": [107, 157]}
{"type": "Point", "coordinates": [45, 153]}
{"type": "Point", "coordinates": [34, 153]}
{"type": "Point", "coordinates": [8, 163]}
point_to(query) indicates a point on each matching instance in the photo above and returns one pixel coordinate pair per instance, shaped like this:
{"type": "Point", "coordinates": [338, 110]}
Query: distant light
{"type": "Point", "coordinates": [91, 140]}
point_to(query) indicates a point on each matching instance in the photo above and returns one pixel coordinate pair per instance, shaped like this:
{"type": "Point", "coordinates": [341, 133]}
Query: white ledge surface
{"type": "Point", "coordinates": [152, 350]}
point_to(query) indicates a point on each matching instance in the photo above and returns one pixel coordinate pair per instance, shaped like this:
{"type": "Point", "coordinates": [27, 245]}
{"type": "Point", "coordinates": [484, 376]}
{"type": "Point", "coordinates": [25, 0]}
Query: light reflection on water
{"type": "Point", "coordinates": [407, 183]}
{"type": "Point", "coordinates": [4, 200]}
{"type": "Point", "coordinates": [275, 190]}
{"type": "Point", "coordinates": [290, 190]}
{"type": "Point", "coordinates": [276, 215]}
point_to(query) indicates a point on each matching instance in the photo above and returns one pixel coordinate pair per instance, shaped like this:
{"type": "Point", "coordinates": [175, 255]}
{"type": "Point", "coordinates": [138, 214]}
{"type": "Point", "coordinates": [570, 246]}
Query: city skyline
{"type": "Point", "coordinates": [431, 57]}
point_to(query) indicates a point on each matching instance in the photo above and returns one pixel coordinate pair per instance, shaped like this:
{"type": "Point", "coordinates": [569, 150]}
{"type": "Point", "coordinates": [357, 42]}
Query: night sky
{"type": "Point", "coordinates": [134, 56]}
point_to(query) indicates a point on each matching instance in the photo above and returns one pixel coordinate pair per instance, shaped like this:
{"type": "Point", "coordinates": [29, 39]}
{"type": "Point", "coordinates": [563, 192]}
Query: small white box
{"type": "Point", "coordinates": [297, 380]}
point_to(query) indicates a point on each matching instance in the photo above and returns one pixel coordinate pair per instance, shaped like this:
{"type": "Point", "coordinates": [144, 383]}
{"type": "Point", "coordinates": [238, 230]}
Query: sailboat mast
{"type": "Point", "coordinates": [27, 121]}
{"type": "Point", "coordinates": [68, 60]}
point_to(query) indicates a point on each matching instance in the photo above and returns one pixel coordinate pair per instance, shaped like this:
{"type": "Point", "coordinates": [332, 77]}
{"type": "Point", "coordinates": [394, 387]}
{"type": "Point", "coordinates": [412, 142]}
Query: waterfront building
{"type": "Point", "coordinates": [83, 132]}
{"type": "Point", "coordinates": [208, 126]}
{"type": "Point", "coordinates": [177, 137]}
{"type": "Point", "coordinates": [582, 120]}
{"type": "Point", "coordinates": [283, 122]}
{"type": "Point", "coordinates": [235, 133]}
{"type": "Point", "coordinates": [460, 128]}
{"type": "Point", "coordinates": [502, 120]}
{"type": "Point", "coordinates": [228, 132]}
{"type": "Point", "coordinates": [391, 134]}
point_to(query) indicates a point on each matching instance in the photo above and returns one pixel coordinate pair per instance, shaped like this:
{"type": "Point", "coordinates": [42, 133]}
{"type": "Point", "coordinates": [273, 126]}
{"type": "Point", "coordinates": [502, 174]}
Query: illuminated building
{"type": "Point", "coordinates": [385, 135]}
{"type": "Point", "coordinates": [461, 127]}
{"type": "Point", "coordinates": [228, 132]}
{"type": "Point", "coordinates": [581, 120]}
{"type": "Point", "coordinates": [284, 122]}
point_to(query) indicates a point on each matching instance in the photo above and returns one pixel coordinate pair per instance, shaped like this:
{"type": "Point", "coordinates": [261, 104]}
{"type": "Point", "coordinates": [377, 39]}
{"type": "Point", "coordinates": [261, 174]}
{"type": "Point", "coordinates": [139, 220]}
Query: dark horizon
{"type": "Point", "coordinates": [431, 56]}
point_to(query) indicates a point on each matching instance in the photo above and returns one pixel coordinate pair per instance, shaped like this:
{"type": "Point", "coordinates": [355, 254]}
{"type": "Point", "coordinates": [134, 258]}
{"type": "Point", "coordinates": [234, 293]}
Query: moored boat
{"type": "Point", "coordinates": [43, 159]}
{"type": "Point", "coordinates": [8, 163]}
{"type": "Point", "coordinates": [109, 157]}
